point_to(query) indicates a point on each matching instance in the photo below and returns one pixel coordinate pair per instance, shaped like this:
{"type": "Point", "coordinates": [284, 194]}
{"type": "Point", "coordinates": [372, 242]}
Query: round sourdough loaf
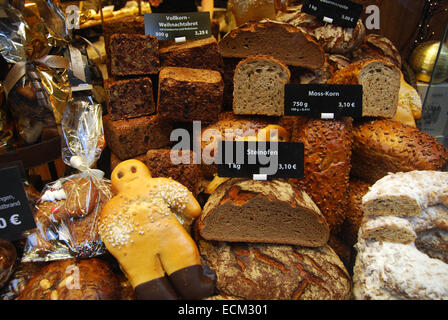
{"type": "Point", "coordinates": [274, 211]}
{"type": "Point", "coordinates": [332, 38]}
{"type": "Point", "coordinates": [276, 272]}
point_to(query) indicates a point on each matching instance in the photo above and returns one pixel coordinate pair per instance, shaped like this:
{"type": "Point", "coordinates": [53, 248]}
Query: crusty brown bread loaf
{"type": "Point", "coordinates": [274, 211]}
{"type": "Point", "coordinates": [89, 279]}
{"type": "Point", "coordinates": [280, 40]}
{"type": "Point", "coordinates": [8, 255]}
{"type": "Point", "coordinates": [383, 146]}
{"type": "Point", "coordinates": [327, 146]}
{"type": "Point", "coordinates": [240, 126]}
{"type": "Point", "coordinates": [259, 86]}
{"type": "Point", "coordinates": [380, 82]}
{"type": "Point", "coordinates": [353, 215]}
{"type": "Point", "coordinates": [377, 46]}
{"type": "Point", "coordinates": [276, 272]}
{"type": "Point", "coordinates": [332, 38]}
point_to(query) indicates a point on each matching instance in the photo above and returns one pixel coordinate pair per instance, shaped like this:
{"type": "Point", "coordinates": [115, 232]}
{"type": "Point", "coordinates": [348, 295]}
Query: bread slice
{"type": "Point", "coordinates": [259, 86]}
{"type": "Point", "coordinates": [274, 211]}
{"type": "Point", "coordinates": [380, 82]}
{"type": "Point", "coordinates": [279, 40]}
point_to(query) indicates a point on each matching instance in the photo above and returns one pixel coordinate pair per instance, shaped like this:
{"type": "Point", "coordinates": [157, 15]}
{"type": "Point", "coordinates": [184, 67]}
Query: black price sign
{"type": "Point", "coordinates": [178, 26]}
{"type": "Point", "coordinates": [325, 101]}
{"type": "Point", "coordinates": [342, 13]}
{"type": "Point", "coordinates": [260, 160]}
{"type": "Point", "coordinates": [16, 216]}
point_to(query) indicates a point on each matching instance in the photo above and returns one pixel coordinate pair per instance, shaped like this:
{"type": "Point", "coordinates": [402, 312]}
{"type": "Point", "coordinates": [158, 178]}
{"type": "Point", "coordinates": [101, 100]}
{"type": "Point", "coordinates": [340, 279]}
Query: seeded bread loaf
{"type": "Point", "coordinates": [275, 211]}
{"type": "Point", "coordinates": [196, 54]}
{"type": "Point", "coordinates": [276, 272]}
{"type": "Point", "coordinates": [259, 86]}
{"type": "Point", "coordinates": [383, 146]}
{"type": "Point", "coordinates": [332, 38]}
{"type": "Point", "coordinates": [187, 94]}
{"type": "Point", "coordinates": [280, 40]}
{"type": "Point", "coordinates": [380, 82]}
{"type": "Point", "coordinates": [132, 137]}
{"type": "Point", "coordinates": [327, 146]}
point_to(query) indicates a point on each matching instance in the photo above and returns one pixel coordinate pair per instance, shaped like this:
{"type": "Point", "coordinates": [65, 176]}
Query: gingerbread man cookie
{"type": "Point", "coordinates": [140, 229]}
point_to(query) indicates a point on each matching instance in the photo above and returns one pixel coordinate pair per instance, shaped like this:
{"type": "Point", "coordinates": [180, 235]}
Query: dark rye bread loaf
{"type": "Point", "coordinates": [275, 211]}
{"type": "Point", "coordinates": [271, 38]}
{"type": "Point", "coordinates": [327, 154]}
{"type": "Point", "coordinates": [197, 54]}
{"type": "Point", "coordinates": [383, 146]}
{"type": "Point", "coordinates": [379, 47]}
{"type": "Point", "coordinates": [276, 272]}
{"type": "Point", "coordinates": [380, 82]}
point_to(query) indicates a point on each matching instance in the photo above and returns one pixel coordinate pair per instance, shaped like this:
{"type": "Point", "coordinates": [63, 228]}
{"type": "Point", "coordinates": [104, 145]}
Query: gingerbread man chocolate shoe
{"type": "Point", "coordinates": [141, 229]}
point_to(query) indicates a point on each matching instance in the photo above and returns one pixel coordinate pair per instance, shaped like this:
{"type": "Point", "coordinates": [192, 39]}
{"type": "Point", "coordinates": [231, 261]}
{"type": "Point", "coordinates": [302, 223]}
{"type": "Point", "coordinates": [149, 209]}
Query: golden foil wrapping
{"type": "Point", "coordinates": [423, 59]}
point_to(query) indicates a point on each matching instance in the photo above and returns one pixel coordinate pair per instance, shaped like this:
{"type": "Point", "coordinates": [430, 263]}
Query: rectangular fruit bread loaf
{"type": "Point", "coordinates": [129, 98]}
{"type": "Point", "coordinates": [259, 86]}
{"type": "Point", "coordinates": [187, 94]}
{"type": "Point", "coordinates": [241, 210]}
{"type": "Point", "coordinates": [132, 137]}
{"type": "Point", "coordinates": [380, 82]}
{"type": "Point", "coordinates": [134, 54]}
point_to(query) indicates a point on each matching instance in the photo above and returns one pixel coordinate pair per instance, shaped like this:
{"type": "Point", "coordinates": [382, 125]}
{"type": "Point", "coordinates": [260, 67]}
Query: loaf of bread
{"type": "Point", "coordinates": [129, 98]}
{"type": "Point", "coordinates": [380, 82]}
{"type": "Point", "coordinates": [280, 40]}
{"type": "Point", "coordinates": [132, 137]}
{"type": "Point", "coordinates": [196, 54]}
{"type": "Point", "coordinates": [8, 255]}
{"type": "Point", "coordinates": [187, 94]}
{"type": "Point", "coordinates": [238, 128]}
{"type": "Point", "coordinates": [406, 193]}
{"type": "Point", "coordinates": [383, 146]}
{"type": "Point", "coordinates": [395, 271]}
{"type": "Point", "coordinates": [89, 279]}
{"type": "Point", "coordinates": [134, 54]}
{"type": "Point", "coordinates": [434, 243]}
{"type": "Point", "coordinates": [327, 154]}
{"type": "Point", "coordinates": [332, 38]}
{"type": "Point", "coordinates": [276, 272]}
{"type": "Point", "coordinates": [259, 86]}
{"type": "Point", "coordinates": [227, 76]}
{"type": "Point", "coordinates": [353, 215]}
{"type": "Point", "coordinates": [376, 46]}
{"type": "Point", "coordinates": [275, 211]}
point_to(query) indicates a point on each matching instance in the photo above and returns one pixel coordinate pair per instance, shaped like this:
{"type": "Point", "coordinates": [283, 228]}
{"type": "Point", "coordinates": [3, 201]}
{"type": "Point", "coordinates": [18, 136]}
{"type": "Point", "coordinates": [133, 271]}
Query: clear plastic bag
{"type": "Point", "coordinates": [68, 210]}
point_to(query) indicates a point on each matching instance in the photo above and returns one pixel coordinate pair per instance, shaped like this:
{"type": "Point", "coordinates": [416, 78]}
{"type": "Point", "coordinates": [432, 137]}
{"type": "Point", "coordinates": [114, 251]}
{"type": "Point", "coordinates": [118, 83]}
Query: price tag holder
{"type": "Point", "coordinates": [16, 216]}
{"type": "Point", "coordinates": [260, 160]}
{"type": "Point", "coordinates": [178, 27]}
{"type": "Point", "coordinates": [325, 101]}
{"type": "Point", "coordinates": [342, 13]}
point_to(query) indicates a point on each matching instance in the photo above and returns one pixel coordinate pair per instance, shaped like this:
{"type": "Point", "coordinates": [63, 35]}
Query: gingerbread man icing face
{"type": "Point", "coordinates": [140, 229]}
